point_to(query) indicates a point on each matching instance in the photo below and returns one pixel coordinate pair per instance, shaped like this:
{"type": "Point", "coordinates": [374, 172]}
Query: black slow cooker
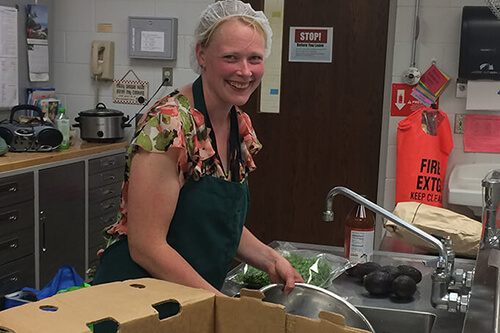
{"type": "Point", "coordinates": [101, 124]}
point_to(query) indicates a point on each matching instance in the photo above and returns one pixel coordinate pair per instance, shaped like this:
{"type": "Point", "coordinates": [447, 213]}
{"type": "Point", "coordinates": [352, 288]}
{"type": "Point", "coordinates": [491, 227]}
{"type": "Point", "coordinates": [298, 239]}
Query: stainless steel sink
{"type": "Point", "coordinates": [386, 314]}
{"type": "Point", "coordinates": [397, 321]}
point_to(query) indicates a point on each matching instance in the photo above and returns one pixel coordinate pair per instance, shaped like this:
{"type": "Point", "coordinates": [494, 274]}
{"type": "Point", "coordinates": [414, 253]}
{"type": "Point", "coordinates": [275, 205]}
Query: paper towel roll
{"type": "Point", "coordinates": [483, 95]}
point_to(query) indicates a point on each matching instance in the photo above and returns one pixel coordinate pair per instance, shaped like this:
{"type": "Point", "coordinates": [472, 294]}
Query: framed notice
{"type": "Point", "coordinates": [130, 91]}
{"type": "Point", "coordinates": [308, 44]}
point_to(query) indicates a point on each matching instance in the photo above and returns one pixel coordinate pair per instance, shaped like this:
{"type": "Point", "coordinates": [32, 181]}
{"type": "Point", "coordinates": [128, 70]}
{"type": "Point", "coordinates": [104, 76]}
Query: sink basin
{"type": "Point", "coordinates": [465, 185]}
{"type": "Point", "coordinates": [397, 321]}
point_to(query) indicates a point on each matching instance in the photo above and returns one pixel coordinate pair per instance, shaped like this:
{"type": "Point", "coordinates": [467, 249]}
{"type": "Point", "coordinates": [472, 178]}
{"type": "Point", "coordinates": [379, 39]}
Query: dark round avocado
{"type": "Point", "coordinates": [378, 283]}
{"type": "Point", "coordinates": [352, 271]}
{"type": "Point", "coordinates": [393, 271]}
{"type": "Point", "coordinates": [404, 286]}
{"type": "Point", "coordinates": [364, 269]}
{"type": "Point", "coordinates": [411, 271]}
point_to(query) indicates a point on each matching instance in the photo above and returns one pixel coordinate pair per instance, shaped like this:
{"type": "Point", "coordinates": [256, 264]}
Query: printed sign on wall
{"type": "Point", "coordinates": [402, 101]}
{"type": "Point", "coordinates": [310, 44]}
{"type": "Point", "coordinates": [130, 91]}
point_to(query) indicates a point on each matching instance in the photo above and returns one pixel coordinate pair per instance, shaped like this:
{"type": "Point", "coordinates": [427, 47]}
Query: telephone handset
{"type": "Point", "coordinates": [102, 60]}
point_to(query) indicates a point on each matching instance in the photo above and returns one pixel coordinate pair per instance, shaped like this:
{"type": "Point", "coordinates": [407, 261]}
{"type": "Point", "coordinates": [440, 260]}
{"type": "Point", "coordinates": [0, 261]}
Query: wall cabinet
{"type": "Point", "coordinates": [52, 215]}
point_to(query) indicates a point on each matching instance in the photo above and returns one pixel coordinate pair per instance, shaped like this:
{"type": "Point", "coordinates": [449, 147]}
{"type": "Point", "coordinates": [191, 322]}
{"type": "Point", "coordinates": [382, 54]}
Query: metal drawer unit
{"type": "Point", "coordinates": [16, 275]}
{"type": "Point", "coordinates": [17, 269]}
{"type": "Point", "coordinates": [104, 194]}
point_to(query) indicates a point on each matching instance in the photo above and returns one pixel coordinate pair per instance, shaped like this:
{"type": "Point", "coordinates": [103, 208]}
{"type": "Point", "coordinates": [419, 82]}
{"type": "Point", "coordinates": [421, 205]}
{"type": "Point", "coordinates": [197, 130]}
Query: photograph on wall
{"type": "Point", "coordinates": [37, 24]}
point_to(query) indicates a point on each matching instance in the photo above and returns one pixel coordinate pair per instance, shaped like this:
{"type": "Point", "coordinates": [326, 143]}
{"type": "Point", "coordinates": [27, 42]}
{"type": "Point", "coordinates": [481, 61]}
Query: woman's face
{"type": "Point", "coordinates": [233, 62]}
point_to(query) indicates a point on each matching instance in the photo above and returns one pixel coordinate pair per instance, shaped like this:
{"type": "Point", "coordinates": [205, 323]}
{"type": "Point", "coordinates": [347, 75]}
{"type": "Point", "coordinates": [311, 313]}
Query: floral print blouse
{"type": "Point", "coordinates": [172, 122]}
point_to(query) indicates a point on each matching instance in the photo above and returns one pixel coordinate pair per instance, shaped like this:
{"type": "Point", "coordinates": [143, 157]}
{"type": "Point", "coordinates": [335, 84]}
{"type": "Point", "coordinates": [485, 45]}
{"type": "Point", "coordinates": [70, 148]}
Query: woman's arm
{"type": "Point", "coordinates": [257, 254]}
{"type": "Point", "coordinates": [154, 187]}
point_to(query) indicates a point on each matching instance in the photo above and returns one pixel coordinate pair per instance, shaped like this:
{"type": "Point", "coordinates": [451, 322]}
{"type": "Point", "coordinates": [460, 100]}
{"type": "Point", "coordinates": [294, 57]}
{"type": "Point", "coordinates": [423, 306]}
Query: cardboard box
{"type": "Point", "coordinates": [132, 305]}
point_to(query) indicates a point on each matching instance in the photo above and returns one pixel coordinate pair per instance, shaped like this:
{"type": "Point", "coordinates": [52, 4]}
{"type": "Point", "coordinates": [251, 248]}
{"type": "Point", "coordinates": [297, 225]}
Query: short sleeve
{"type": "Point", "coordinates": [167, 124]}
{"type": "Point", "coordinates": [250, 143]}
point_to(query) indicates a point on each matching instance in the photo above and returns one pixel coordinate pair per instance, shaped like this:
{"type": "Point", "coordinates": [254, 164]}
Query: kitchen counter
{"type": "Point", "coordinates": [13, 161]}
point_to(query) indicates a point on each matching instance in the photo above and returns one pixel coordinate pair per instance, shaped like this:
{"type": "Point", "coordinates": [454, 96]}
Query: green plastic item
{"type": "Point", "coordinates": [83, 285]}
{"type": "Point", "coordinates": [3, 147]}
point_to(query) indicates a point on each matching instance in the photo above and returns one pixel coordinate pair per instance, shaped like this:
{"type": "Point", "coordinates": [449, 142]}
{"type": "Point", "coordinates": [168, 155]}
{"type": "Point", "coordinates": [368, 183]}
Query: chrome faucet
{"type": "Point", "coordinates": [491, 209]}
{"type": "Point", "coordinates": [441, 298]}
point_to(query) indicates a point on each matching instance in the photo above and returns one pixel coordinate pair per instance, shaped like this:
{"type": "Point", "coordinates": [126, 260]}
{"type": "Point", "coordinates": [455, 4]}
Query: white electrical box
{"type": "Point", "coordinates": [152, 38]}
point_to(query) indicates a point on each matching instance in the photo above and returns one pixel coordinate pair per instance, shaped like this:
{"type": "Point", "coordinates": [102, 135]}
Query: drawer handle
{"type": "Point", "coordinates": [9, 216]}
{"type": "Point", "coordinates": [112, 177]}
{"type": "Point", "coordinates": [9, 188]}
{"type": "Point", "coordinates": [109, 206]}
{"type": "Point", "coordinates": [107, 222]}
{"type": "Point", "coordinates": [10, 244]}
{"type": "Point", "coordinates": [109, 163]}
{"type": "Point", "coordinates": [6, 279]}
{"type": "Point", "coordinates": [108, 192]}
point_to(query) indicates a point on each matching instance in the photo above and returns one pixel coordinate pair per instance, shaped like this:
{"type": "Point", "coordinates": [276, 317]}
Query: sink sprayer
{"type": "Point", "coordinates": [444, 277]}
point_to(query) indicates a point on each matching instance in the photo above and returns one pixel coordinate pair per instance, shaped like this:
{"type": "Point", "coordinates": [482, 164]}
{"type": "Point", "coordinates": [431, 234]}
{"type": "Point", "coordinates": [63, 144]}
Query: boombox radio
{"type": "Point", "coordinates": [34, 136]}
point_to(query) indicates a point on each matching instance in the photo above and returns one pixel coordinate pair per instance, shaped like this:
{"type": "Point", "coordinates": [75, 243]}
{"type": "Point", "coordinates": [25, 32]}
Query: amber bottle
{"type": "Point", "coordinates": [359, 233]}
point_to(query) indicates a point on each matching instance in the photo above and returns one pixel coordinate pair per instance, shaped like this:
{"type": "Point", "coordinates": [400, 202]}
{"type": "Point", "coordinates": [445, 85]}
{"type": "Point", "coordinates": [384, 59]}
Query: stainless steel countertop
{"type": "Point", "coordinates": [356, 294]}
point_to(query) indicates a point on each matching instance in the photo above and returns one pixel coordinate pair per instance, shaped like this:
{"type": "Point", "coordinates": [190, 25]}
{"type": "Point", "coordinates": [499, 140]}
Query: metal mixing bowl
{"type": "Point", "coordinates": [308, 301]}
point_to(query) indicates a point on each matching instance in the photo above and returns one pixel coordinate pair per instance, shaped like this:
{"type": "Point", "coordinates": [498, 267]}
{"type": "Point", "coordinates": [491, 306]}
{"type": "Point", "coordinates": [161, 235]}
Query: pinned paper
{"type": "Point", "coordinates": [434, 80]}
{"type": "Point", "coordinates": [430, 86]}
{"type": "Point", "coordinates": [481, 134]}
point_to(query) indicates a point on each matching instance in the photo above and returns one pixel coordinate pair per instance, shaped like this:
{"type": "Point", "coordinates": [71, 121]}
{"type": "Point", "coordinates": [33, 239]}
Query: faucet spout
{"type": "Point", "coordinates": [328, 216]}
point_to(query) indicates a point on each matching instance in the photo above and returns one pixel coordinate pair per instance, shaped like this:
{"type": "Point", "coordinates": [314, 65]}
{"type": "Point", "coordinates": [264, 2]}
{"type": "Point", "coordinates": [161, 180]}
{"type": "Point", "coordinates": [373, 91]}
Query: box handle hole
{"type": "Point", "coordinates": [138, 286]}
{"type": "Point", "coordinates": [167, 309]}
{"type": "Point", "coordinates": [48, 308]}
{"type": "Point", "coordinates": [107, 325]}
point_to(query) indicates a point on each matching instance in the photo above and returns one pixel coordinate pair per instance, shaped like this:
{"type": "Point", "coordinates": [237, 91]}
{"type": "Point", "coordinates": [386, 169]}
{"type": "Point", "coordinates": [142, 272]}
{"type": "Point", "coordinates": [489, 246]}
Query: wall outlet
{"type": "Point", "coordinates": [167, 76]}
{"type": "Point", "coordinates": [459, 123]}
{"type": "Point", "coordinates": [461, 90]}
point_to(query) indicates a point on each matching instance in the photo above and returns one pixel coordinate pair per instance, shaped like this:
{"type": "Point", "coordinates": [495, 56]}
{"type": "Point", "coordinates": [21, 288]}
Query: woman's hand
{"type": "Point", "coordinates": [283, 272]}
{"type": "Point", "coordinates": [257, 254]}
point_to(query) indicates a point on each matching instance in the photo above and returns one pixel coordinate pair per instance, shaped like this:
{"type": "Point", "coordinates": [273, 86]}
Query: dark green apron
{"type": "Point", "coordinates": [207, 223]}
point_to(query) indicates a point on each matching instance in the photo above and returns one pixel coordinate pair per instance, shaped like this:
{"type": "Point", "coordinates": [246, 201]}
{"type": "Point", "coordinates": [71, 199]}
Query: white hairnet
{"type": "Point", "coordinates": [222, 10]}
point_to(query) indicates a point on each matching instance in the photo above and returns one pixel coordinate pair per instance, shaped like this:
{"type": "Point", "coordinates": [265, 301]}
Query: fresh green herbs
{"type": "Point", "coordinates": [315, 271]}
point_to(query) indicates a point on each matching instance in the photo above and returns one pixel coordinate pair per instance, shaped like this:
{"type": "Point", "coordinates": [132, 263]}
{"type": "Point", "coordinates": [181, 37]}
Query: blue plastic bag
{"type": "Point", "coordinates": [65, 277]}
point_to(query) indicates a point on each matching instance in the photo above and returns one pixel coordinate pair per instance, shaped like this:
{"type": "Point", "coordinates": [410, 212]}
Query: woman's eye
{"type": "Point", "coordinates": [255, 59]}
{"type": "Point", "coordinates": [230, 58]}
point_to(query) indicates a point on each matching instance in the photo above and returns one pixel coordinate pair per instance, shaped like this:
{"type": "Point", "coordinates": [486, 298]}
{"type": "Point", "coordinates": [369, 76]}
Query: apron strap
{"type": "Point", "coordinates": [234, 136]}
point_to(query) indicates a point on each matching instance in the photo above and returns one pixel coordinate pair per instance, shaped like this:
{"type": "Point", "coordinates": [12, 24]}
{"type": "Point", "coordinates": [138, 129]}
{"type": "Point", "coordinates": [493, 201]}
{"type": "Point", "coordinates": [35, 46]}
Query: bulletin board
{"type": "Point", "coordinates": [22, 51]}
{"type": "Point", "coordinates": [152, 37]}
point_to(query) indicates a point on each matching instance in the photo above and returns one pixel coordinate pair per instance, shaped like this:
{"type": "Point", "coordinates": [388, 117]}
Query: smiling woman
{"type": "Point", "coordinates": [185, 195]}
